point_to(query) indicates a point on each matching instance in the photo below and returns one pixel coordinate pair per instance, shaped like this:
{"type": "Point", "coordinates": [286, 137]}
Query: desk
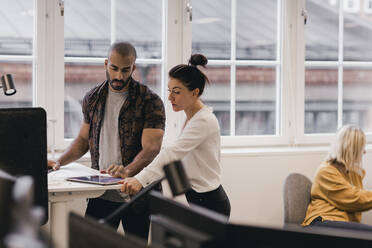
{"type": "Point", "coordinates": [61, 191]}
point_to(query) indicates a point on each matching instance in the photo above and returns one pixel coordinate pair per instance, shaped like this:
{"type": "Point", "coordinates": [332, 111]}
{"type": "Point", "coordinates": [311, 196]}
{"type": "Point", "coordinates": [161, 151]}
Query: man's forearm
{"type": "Point", "coordinates": [143, 158]}
{"type": "Point", "coordinates": [75, 151]}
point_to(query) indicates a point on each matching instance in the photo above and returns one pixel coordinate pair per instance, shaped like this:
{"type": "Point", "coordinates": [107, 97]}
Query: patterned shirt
{"type": "Point", "coordinates": [142, 109]}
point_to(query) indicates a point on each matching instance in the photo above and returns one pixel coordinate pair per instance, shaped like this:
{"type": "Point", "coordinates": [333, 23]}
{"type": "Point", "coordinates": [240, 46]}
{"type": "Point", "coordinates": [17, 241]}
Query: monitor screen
{"type": "Point", "coordinates": [6, 199]}
{"type": "Point", "coordinates": [177, 225]}
{"type": "Point", "coordinates": [23, 148]}
{"type": "Point", "coordinates": [296, 236]}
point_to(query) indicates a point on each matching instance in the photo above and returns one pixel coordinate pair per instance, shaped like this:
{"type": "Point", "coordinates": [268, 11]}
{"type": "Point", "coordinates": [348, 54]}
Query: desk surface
{"type": "Point", "coordinates": [57, 179]}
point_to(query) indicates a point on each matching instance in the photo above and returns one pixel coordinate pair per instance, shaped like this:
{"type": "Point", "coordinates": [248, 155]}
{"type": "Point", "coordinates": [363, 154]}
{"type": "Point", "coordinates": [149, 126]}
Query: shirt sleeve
{"type": "Point", "coordinates": [192, 136]}
{"type": "Point", "coordinates": [154, 113]}
{"type": "Point", "coordinates": [341, 193]}
{"type": "Point", "coordinates": [85, 110]}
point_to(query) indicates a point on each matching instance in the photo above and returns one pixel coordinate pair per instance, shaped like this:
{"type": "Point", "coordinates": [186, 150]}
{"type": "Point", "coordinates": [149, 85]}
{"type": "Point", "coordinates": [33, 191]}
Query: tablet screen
{"type": "Point", "coordinates": [103, 180]}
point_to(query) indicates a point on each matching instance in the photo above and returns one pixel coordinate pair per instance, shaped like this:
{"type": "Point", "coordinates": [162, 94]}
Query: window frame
{"type": "Point", "coordinates": [340, 64]}
{"type": "Point", "coordinates": [367, 7]}
{"type": "Point", "coordinates": [176, 48]}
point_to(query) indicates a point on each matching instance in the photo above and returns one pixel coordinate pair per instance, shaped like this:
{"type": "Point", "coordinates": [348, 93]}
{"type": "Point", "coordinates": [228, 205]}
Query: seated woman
{"type": "Point", "coordinates": [198, 146]}
{"type": "Point", "coordinates": [337, 194]}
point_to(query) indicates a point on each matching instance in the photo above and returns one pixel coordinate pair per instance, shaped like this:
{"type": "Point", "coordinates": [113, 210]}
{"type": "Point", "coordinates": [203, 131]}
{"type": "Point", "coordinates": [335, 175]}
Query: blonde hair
{"type": "Point", "coordinates": [348, 148]}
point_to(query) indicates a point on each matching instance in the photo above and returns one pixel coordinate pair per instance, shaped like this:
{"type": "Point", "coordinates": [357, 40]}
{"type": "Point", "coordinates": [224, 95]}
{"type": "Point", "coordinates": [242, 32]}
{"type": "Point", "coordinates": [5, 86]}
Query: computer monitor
{"type": "Point", "coordinates": [23, 148]}
{"type": "Point", "coordinates": [297, 236]}
{"type": "Point", "coordinates": [177, 225]}
{"type": "Point", "coordinates": [6, 200]}
{"type": "Point", "coordinates": [87, 232]}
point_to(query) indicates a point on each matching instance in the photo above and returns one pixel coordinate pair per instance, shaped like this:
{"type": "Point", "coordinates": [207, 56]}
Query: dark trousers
{"type": "Point", "coordinates": [134, 220]}
{"type": "Point", "coordinates": [341, 224]}
{"type": "Point", "coordinates": [215, 200]}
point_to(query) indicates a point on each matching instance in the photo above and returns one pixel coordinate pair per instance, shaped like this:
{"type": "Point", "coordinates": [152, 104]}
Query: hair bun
{"type": "Point", "coordinates": [198, 59]}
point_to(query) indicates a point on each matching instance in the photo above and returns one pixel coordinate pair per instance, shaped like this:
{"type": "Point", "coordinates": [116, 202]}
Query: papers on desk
{"type": "Point", "coordinates": [72, 170]}
{"type": "Point", "coordinates": [57, 179]}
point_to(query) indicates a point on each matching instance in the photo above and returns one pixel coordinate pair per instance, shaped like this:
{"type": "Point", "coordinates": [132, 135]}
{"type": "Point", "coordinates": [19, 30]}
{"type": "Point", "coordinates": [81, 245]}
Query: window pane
{"type": "Point", "coordinates": [81, 77]}
{"type": "Point", "coordinates": [256, 29]}
{"type": "Point", "coordinates": [139, 22]}
{"type": "Point", "coordinates": [149, 75]}
{"type": "Point", "coordinates": [320, 100]}
{"type": "Point", "coordinates": [255, 100]}
{"type": "Point", "coordinates": [357, 36]}
{"type": "Point", "coordinates": [87, 33]}
{"type": "Point", "coordinates": [22, 77]}
{"type": "Point", "coordinates": [211, 28]}
{"type": "Point", "coordinates": [217, 94]}
{"type": "Point", "coordinates": [357, 101]}
{"type": "Point", "coordinates": [17, 27]}
{"type": "Point", "coordinates": [321, 30]}
{"type": "Point", "coordinates": [16, 38]}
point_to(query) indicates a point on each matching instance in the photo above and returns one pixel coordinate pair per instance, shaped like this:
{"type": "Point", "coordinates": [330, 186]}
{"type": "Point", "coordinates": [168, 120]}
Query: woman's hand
{"type": "Point", "coordinates": [131, 186]}
{"type": "Point", "coordinates": [117, 171]}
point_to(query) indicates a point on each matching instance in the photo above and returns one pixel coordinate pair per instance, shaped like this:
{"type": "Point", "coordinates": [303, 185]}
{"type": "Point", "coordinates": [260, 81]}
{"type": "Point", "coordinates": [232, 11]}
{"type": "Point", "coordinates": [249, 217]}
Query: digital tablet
{"type": "Point", "coordinates": [102, 180]}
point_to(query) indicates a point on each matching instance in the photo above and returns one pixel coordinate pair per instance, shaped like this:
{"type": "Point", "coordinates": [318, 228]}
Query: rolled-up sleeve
{"type": "Point", "coordinates": [154, 113]}
{"type": "Point", "coordinates": [343, 194]}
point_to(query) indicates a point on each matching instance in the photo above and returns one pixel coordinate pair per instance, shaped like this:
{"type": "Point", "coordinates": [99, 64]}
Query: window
{"type": "Point", "coordinates": [16, 50]}
{"type": "Point", "coordinates": [338, 68]}
{"type": "Point", "coordinates": [266, 89]}
{"type": "Point", "coordinates": [351, 6]}
{"type": "Point", "coordinates": [88, 35]}
{"type": "Point", "coordinates": [241, 39]}
{"type": "Point", "coordinates": [368, 6]}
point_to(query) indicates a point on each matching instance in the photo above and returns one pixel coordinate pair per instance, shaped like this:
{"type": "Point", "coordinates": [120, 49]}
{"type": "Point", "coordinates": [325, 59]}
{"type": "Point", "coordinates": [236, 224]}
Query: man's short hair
{"type": "Point", "coordinates": [125, 49]}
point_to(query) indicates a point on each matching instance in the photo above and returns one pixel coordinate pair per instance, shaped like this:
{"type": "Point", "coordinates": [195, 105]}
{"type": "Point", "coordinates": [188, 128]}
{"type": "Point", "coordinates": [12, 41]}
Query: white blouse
{"type": "Point", "coordinates": [198, 148]}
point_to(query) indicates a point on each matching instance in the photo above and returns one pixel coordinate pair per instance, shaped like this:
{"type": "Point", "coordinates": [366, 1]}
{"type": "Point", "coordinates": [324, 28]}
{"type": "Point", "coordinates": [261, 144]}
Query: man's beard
{"type": "Point", "coordinates": [116, 84]}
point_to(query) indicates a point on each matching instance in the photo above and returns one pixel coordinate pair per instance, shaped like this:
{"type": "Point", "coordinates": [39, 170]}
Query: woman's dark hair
{"type": "Point", "coordinates": [190, 75]}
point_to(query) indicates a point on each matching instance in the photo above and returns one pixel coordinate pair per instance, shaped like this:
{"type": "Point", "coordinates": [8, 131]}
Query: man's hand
{"type": "Point", "coordinates": [131, 186]}
{"type": "Point", "coordinates": [117, 171]}
{"type": "Point", "coordinates": [54, 165]}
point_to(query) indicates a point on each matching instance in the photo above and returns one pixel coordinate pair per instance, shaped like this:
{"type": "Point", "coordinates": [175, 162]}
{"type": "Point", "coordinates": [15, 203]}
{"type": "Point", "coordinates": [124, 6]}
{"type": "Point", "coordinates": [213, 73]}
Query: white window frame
{"type": "Point", "coordinates": [27, 58]}
{"type": "Point", "coordinates": [367, 8]}
{"type": "Point", "coordinates": [290, 68]}
{"type": "Point", "coordinates": [340, 64]}
{"type": "Point", "coordinates": [281, 136]}
{"type": "Point", "coordinates": [54, 103]}
{"type": "Point", "coordinates": [354, 8]}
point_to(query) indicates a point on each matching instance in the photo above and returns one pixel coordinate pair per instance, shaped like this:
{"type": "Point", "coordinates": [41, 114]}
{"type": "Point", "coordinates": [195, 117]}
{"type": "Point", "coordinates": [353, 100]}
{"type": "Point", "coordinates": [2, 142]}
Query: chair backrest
{"type": "Point", "coordinates": [297, 188]}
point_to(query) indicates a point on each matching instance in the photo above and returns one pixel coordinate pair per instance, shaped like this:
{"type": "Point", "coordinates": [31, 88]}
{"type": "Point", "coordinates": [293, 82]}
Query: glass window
{"type": "Point", "coordinates": [211, 28]}
{"type": "Point", "coordinates": [357, 102]}
{"type": "Point", "coordinates": [217, 94]}
{"type": "Point", "coordinates": [321, 31]}
{"type": "Point", "coordinates": [256, 30]}
{"type": "Point", "coordinates": [136, 25]}
{"type": "Point", "coordinates": [85, 36]}
{"type": "Point", "coordinates": [243, 61]}
{"type": "Point", "coordinates": [16, 50]}
{"type": "Point", "coordinates": [255, 100]}
{"type": "Point", "coordinates": [357, 37]}
{"type": "Point", "coordinates": [351, 6]}
{"type": "Point", "coordinates": [337, 84]}
{"type": "Point", "coordinates": [88, 35]}
{"type": "Point", "coordinates": [321, 99]}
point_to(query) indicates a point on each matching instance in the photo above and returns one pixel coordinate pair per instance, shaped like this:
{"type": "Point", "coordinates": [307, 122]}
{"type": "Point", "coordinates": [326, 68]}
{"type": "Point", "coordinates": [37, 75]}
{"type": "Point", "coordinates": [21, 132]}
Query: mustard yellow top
{"type": "Point", "coordinates": [337, 195]}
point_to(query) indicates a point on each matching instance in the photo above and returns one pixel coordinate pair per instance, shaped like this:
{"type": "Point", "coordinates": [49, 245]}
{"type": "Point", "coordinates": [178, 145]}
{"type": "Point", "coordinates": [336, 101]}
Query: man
{"type": "Point", "coordinates": [123, 128]}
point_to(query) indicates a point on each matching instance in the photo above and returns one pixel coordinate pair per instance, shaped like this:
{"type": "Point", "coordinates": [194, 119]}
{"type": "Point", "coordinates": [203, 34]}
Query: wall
{"type": "Point", "coordinates": [253, 179]}
{"type": "Point", "coordinates": [254, 182]}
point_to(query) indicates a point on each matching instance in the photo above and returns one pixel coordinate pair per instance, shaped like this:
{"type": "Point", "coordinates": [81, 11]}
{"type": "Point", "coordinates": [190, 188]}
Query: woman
{"type": "Point", "coordinates": [337, 194]}
{"type": "Point", "coordinates": [198, 146]}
